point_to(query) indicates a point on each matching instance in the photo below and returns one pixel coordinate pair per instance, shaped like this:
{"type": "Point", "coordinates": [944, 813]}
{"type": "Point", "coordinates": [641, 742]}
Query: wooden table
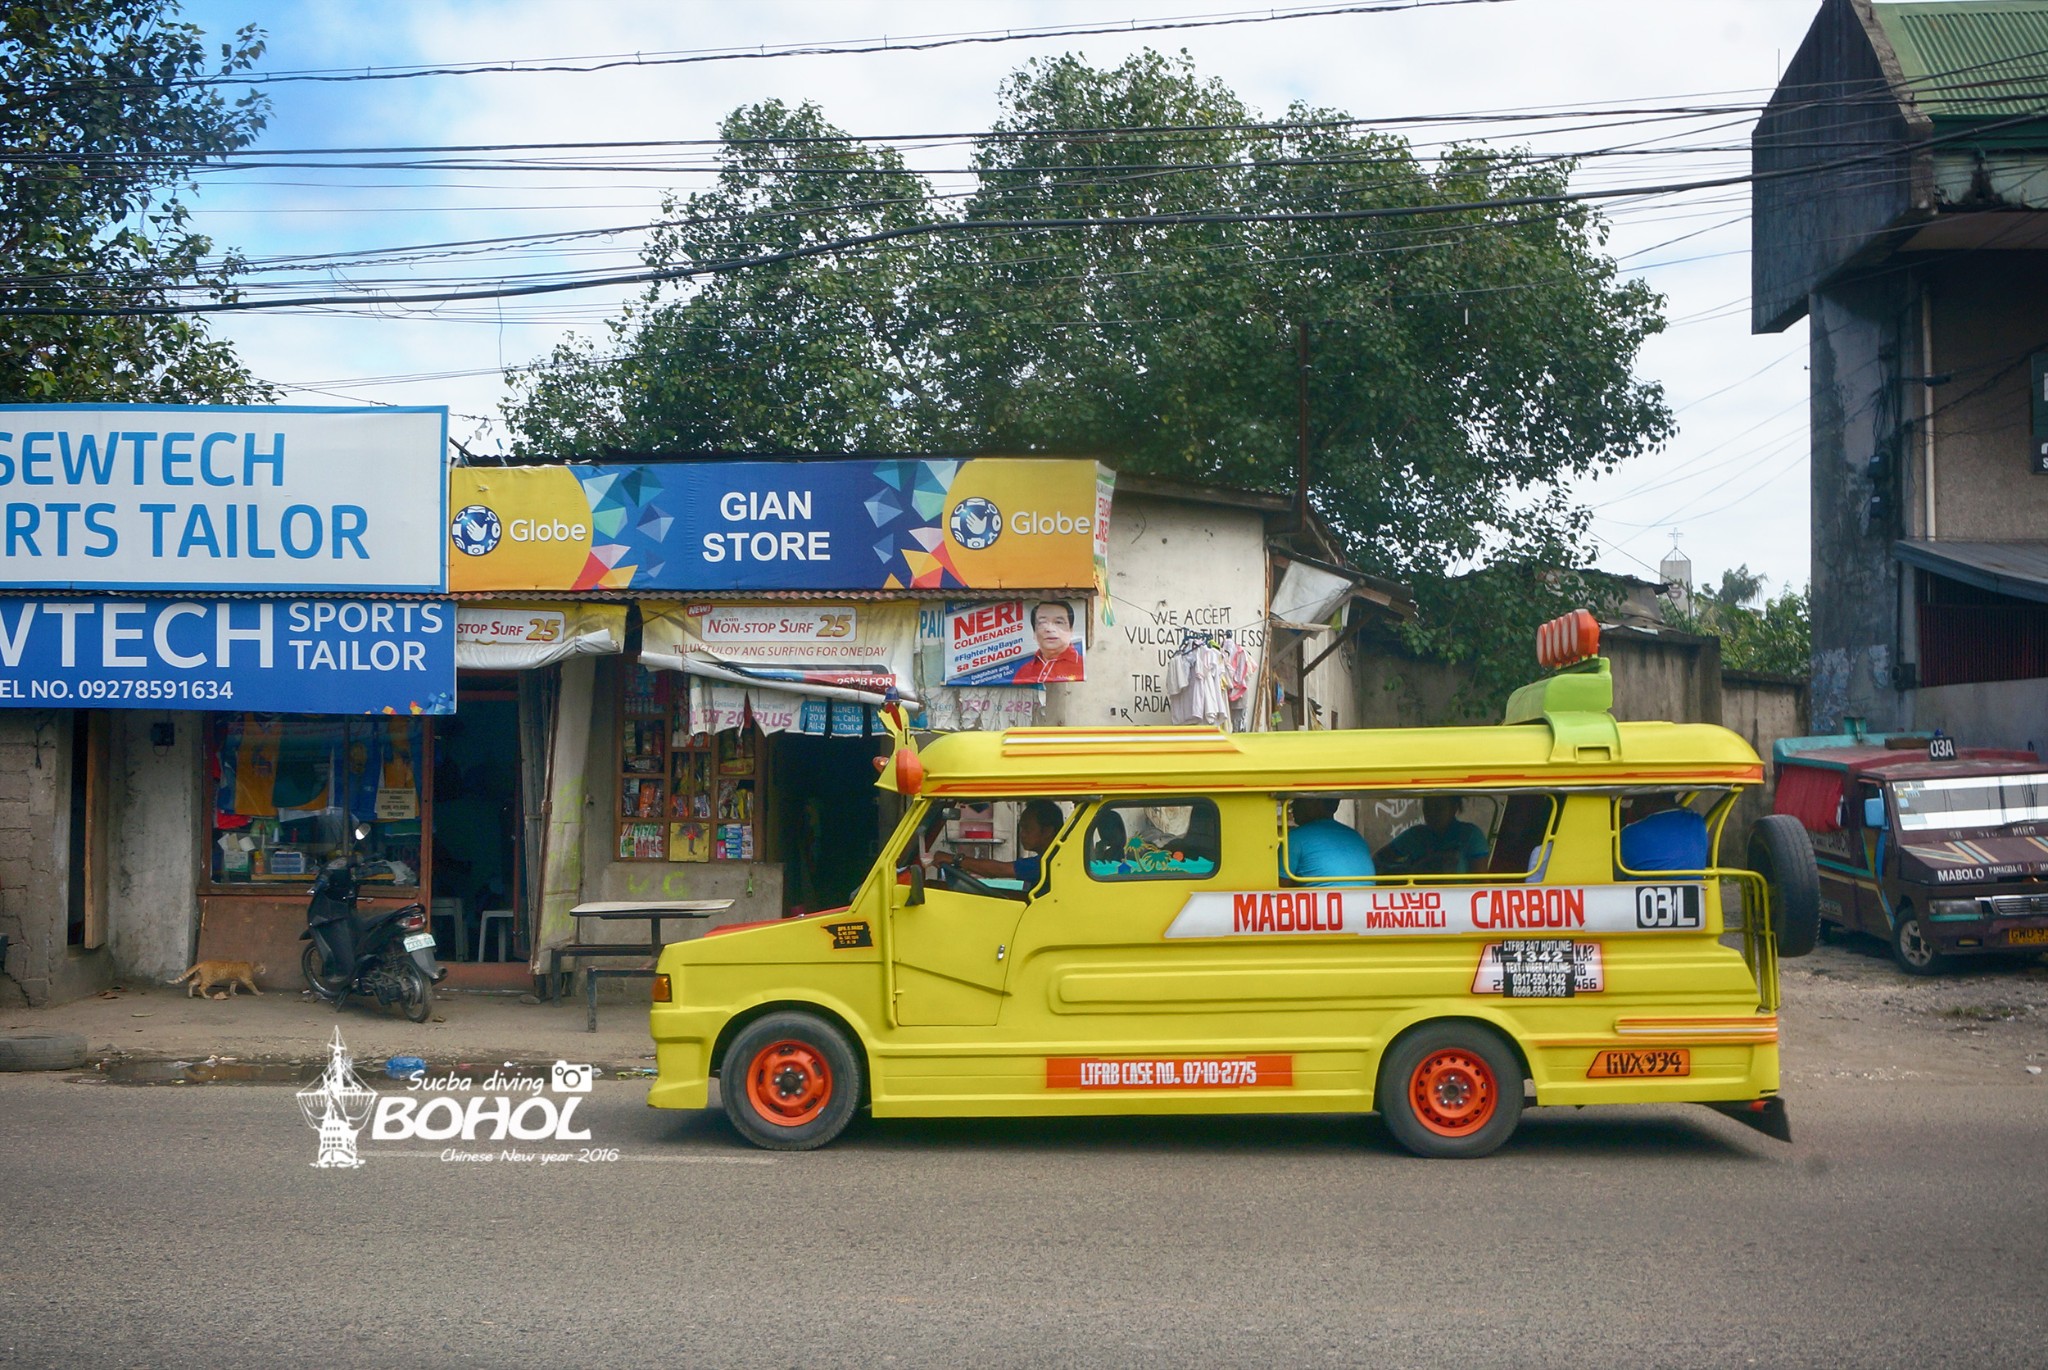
{"type": "Point", "coordinates": [653, 911]}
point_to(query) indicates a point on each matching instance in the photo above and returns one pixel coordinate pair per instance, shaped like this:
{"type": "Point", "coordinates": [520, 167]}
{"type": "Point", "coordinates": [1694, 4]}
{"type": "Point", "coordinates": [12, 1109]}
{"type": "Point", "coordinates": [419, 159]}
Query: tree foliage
{"type": "Point", "coordinates": [1462, 365]}
{"type": "Point", "coordinates": [1772, 636]}
{"type": "Point", "coordinates": [103, 116]}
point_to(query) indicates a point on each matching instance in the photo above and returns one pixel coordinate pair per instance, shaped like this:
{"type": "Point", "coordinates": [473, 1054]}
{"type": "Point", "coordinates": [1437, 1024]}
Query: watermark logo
{"type": "Point", "coordinates": [509, 1106]}
{"type": "Point", "coordinates": [336, 1106]}
{"type": "Point", "coordinates": [976, 523]}
{"type": "Point", "coordinates": [476, 530]}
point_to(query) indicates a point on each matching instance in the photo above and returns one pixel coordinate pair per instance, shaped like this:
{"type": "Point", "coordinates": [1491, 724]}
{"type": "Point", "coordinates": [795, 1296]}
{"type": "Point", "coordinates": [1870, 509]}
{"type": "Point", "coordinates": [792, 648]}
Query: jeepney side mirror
{"type": "Point", "coordinates": [916, 895]}
{"type": "Point", "coordinates": [1873, 811]}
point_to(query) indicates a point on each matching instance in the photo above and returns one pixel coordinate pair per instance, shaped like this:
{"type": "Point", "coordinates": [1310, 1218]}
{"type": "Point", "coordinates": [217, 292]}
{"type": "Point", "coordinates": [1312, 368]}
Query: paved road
{"type": "Point", "coordinates": [172, 1226]}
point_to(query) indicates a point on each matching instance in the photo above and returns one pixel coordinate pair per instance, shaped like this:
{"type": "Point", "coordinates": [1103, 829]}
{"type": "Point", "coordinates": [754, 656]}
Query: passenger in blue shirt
{"type": "Point", "coordinates": [1037, 826]}
{"type": "Point", "coordinates": [1662, 836]}
{"type": "Point", "coordinates": [1320, 849]}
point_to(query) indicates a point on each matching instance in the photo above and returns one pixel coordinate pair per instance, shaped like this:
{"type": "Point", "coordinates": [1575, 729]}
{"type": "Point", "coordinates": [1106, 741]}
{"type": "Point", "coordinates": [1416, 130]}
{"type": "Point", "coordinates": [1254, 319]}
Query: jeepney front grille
{"type": "Point", "coordinates": [2013, 905]}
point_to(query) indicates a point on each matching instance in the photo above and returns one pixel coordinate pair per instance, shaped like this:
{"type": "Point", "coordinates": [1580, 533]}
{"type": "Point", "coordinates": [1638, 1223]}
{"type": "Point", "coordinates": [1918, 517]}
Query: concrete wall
{"type": "Point", "coordinates": [1861, 341]}
{"type": "Point", "coordinates": [2006, 713]}
{"type": "Point", "coordinates": [1172, 564]}
{"type": "Point", "coordinates": [1657, 676]}
{"type": "Point", "coordinates": [157, 820]}
{"type": "Point", "coordinates": [34, 773]}
{"type": "Point", "coordinates": [1986, 310]}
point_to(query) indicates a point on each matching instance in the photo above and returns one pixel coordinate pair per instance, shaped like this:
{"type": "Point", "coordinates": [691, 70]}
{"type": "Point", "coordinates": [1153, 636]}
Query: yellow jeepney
{"type": "Point", "coordinates": [1169, 954]}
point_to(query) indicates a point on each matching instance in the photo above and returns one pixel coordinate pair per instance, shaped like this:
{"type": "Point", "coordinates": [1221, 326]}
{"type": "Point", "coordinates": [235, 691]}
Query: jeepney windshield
{"type": "Point", "coordinates": [1971, 802]}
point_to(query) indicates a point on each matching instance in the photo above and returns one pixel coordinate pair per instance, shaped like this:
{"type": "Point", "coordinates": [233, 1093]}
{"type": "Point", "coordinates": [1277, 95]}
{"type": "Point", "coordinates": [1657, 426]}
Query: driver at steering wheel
{"type": "Point", "coordinates": [1036, 827]}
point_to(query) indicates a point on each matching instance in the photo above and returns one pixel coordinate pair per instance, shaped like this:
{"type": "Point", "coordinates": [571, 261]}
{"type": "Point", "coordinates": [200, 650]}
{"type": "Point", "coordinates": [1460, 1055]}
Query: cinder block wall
{"type": "Point", "coordinates": [34, 765]}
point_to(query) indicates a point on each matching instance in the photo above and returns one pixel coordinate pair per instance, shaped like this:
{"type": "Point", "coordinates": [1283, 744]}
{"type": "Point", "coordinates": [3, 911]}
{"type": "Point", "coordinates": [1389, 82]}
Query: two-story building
{"type": "Point", "coordinates": [1901, 208]}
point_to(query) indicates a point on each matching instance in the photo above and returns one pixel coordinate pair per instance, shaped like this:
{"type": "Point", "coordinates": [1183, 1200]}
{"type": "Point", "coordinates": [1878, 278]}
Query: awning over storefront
{"type": "Point", "coordinates": [764, 660]}
{"type": "Point", "coordinates": [2019, 569]}
{"type": "Point", "coordinates": [521, 637]}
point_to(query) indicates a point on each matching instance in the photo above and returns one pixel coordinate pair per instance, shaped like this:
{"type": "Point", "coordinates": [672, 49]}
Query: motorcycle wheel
{"type": "Point", "coordinates": [418, 997]}
{"type": "Point", "coordinates": [312, 965]}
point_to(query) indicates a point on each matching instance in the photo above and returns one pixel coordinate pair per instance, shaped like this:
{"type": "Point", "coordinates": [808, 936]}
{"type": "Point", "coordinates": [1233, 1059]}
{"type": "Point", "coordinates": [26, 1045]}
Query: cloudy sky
{"type": "Point", "coordinates": [1732, 486]}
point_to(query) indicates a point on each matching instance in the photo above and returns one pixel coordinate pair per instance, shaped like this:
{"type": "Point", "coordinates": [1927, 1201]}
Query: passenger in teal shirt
{"type": "Point", "coordinates": [1441, 844]}
{"type": "Point", "coordinates": [1320, 849]}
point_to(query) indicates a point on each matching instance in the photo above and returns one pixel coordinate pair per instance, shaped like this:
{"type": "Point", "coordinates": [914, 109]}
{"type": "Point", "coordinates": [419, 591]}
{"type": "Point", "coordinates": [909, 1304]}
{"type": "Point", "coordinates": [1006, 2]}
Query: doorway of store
{"type": "Point", "coordinates": [478, 886]}
{"type": "Point", "coordinates": [830, 819]}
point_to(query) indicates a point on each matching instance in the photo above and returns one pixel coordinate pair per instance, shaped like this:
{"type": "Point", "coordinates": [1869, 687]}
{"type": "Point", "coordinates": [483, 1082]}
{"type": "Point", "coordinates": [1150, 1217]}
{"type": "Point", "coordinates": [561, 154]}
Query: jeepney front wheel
{"type": "Point", "coordinates": [790, 1082]}
{"type": "Point", "coordinates": [1911, 947]}
{"type": "Point", "coordinates": [1451, 1091]}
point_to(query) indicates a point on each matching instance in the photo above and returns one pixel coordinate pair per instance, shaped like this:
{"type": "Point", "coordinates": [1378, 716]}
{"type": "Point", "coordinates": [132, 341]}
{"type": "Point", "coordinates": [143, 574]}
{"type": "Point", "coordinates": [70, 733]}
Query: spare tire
{"type": "Point", "coordinates": [33, 1050]}
{"type": "Point", "coordinates": [1782, 853]}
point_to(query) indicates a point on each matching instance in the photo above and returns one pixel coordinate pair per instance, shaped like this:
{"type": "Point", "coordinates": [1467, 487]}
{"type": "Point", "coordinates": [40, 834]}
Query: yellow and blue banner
{"type": "Point", "coordinates": [829, 524]}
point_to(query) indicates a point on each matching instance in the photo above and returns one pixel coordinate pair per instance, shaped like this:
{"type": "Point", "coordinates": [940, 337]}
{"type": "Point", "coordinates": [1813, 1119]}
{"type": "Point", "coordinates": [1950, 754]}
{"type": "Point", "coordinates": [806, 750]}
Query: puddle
{"type": "Point", "coordinates": [201, 1073]}
{"type": "Point", "coordinates": [478, 1075]}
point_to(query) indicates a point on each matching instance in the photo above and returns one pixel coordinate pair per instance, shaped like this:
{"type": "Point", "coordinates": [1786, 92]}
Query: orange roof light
{"type": "Point", "coordinates": [1563, 641]}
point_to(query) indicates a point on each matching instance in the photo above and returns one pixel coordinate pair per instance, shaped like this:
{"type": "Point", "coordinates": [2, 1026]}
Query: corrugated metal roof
{"type": "Point", "coordinates": [1971, 59]}
{"type": "Point", "coordinates": [2019, 569]}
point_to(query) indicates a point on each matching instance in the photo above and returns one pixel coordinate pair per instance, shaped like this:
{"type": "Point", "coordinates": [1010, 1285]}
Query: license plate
{"type": "Point", "coordinates": [418, 941]}
{"type": "Point", "coordinates": [2023, 936]}
{"type": "Point", "coordinates": [1619, 1065]}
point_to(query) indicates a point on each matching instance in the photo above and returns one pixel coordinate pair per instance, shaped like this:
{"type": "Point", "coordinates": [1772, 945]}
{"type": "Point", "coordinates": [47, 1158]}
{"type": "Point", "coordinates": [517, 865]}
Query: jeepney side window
{"type": "Point", "coordinates": [1664, 830]}
{"type": "Point", "coordinates": [1153, 839]}
{"type": "Point", "coordinates": [1425, 835]}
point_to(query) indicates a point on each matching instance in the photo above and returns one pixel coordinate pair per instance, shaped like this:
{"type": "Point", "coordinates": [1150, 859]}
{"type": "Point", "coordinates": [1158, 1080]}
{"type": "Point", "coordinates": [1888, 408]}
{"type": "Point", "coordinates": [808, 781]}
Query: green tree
{"type": "Point", "coordinates": [824, 353]}
{"type": "Point", "coordinates": [1772, 636]}
{"type": "Point", "coordinates": [1463, 365]}
{"type": "Point", "coordinates": [105, 110]}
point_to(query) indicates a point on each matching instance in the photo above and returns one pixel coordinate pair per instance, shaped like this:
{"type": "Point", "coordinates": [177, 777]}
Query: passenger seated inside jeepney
{"type": "Point", "coordinates": [1320, 849]}
{"type": "Point", "coordinates": [1037, 826]}
{"type": "Point", "coordinates": [1136, 839]}
{"type": "Point", "coordinates": [1441, 844]}
{"type": "Point", "coordinates": [1660, 834]}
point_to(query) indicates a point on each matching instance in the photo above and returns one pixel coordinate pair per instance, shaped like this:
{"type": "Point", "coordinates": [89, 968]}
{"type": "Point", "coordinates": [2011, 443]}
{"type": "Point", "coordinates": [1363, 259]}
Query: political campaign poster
{"type": "Point", "coordinates": [1016, 642]}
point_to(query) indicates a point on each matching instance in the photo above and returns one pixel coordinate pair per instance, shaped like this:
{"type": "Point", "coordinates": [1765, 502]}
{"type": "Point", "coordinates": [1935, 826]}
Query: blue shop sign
{"type": "Point", "coordinates": [302, 656]}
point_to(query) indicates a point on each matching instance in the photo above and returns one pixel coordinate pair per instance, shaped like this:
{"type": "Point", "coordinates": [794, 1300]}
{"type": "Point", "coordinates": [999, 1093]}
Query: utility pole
{"type": "Point", "coordinates": [1301, 425]}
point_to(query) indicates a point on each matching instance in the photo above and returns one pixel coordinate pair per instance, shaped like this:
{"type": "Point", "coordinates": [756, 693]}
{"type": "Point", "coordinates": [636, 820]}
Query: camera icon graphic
{"type": "Point", "coordinates": [567, 1079]}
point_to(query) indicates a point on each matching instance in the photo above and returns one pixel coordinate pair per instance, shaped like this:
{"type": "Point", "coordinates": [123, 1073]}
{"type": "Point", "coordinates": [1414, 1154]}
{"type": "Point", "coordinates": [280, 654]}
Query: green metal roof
{"type": "Point", "coordinates": [1972, 59]}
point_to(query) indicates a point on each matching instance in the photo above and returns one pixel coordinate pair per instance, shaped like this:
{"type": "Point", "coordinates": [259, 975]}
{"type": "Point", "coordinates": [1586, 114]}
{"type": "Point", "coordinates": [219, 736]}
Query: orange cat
{"type": "Point", "coordinates": [204, 975]}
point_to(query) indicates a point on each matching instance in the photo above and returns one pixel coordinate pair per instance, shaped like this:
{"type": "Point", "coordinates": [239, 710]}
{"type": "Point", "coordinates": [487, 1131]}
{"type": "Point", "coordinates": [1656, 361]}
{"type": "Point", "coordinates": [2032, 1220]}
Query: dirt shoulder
{"type": "Point", "coordinates": [1850, 1014]}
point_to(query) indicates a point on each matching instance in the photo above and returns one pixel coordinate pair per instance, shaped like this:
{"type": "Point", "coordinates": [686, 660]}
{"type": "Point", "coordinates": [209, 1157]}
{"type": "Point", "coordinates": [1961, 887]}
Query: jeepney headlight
{"type": "Point", "coordinates": [1953, 908]}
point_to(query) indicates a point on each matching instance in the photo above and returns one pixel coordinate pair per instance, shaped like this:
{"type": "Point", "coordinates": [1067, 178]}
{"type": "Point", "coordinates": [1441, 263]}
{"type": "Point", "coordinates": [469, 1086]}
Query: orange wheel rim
{"type": "Point", "coordinates": [1453, 1092]}
{"type": "Point", "coordinates": [789, 1083]}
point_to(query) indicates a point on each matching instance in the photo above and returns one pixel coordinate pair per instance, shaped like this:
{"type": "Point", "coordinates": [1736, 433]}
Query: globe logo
{"type": "Point", "coordinates": [476, 530]}
{"type": "Point", "coordinates": [976, 523]}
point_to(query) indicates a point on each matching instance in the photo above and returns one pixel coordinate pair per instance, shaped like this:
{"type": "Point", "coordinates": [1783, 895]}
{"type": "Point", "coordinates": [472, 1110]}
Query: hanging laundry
{"type": "Point", "coordinates": [1196, 687]}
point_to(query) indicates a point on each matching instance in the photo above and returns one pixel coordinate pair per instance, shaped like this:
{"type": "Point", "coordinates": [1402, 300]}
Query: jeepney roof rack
{"type": "Point", "coordinates": [1576, 702]}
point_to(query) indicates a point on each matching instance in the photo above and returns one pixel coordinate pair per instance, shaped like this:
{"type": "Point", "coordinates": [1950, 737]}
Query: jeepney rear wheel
{"type": "Point", "coordinates": [1451, 1091]}
{"type": "Point", "coordinates": [1782, 853]}
{"type": "Point", "coordinates": [1911, 948]}
{"type": "Point", "coordinates": [790, 1082]}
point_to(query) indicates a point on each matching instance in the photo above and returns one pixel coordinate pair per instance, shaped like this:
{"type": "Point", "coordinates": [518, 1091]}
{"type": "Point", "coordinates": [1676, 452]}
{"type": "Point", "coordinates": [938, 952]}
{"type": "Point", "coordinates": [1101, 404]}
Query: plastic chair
{"type": "Point", "coordinates": [449, 907]}
{"type": "Point", "coordinates": [494, 918]}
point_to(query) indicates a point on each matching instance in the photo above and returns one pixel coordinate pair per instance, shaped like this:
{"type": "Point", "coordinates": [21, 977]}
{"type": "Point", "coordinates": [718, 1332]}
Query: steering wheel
{"type": "Point", "coordinates": [963, 882]}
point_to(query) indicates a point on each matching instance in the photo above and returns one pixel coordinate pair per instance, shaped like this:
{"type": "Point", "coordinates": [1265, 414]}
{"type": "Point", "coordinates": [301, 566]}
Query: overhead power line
{"type": "Point", "coordinates": [948, 226]}
{"type": "Point", "coordinates": [857, 47]}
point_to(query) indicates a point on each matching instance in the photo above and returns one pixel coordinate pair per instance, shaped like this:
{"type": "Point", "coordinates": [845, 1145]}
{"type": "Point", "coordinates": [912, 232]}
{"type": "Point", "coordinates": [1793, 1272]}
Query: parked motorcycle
{"type": "Point", "coordinates": [388, 954]}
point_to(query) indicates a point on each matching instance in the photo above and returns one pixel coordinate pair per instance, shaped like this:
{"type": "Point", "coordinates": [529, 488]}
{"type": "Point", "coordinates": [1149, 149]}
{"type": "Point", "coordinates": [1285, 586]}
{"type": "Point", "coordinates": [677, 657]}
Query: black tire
{"type": "Point", "coordinates": [1911, 950]}
{"type": "Point", "coordinates": [311, 965]}
{"type": "Point", "coordinates": [35, 1050]}
{"type": "Point", "coordinates": [790, 1081]}
{"type": "Point", "coordinates": [418, 997]}
{"type": "Point", "coordinates": [1782, 853]}
{"type": "Point", "coordinates": [1450, 1091]}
